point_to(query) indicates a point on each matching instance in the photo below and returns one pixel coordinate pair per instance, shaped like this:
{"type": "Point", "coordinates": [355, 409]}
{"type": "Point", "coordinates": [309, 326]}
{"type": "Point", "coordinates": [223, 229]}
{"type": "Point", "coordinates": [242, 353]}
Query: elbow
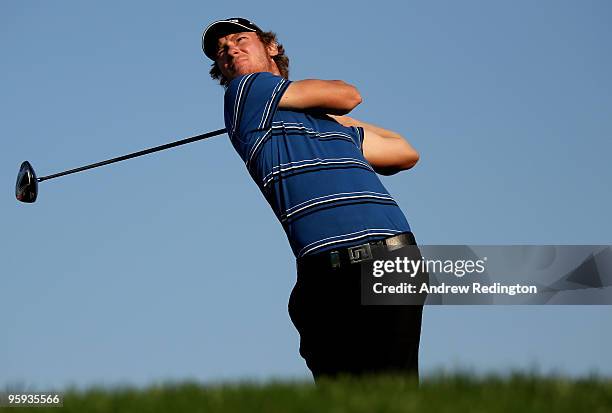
{"type": "Point", "coordinates": [412, 159]}
{"type": "Point", "coordinates": [350, 97]}
{"type": "Point", "coordinates": [409, 159]}
{"type": "Point", "coordinates": [354, 98]}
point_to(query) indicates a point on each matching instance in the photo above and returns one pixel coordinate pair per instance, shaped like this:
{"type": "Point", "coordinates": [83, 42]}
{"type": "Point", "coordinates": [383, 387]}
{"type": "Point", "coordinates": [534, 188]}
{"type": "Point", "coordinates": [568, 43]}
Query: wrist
{"type": "Point", "coordinates": [344, 120]}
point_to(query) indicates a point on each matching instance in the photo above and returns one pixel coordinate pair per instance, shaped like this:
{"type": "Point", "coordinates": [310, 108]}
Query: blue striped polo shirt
{"type": "Point", "coordinates": [310, 169]}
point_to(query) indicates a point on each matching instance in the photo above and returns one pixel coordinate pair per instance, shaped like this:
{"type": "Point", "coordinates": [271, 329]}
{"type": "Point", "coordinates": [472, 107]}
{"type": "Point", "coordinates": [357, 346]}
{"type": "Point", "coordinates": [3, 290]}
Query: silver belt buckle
{"type": "Point", "coordinates": [360, 253]}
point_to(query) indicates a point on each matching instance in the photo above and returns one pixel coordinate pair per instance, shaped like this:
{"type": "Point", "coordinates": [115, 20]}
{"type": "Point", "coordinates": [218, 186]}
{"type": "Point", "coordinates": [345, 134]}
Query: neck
{"type": "Point", "coordinates": [273, 68]}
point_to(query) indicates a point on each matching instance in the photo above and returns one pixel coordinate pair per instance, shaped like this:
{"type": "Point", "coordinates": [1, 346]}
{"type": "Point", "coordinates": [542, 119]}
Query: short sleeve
{"type": "Point", "coordinates": [251, 102]}
{"type": "Point", "coordinates": [359, 136]}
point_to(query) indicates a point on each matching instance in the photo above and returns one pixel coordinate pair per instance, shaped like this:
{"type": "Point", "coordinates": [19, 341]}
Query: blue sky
{"type": "Point", "coordinates": [172, 266]}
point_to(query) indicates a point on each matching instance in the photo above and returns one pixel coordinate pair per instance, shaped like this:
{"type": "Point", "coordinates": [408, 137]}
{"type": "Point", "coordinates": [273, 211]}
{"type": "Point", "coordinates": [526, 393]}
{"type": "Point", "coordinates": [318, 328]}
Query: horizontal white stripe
{"type": "Point", "coordinates": [328, 134]}
{"type": "Point", "coordinates": [338, 194]}
{"type": "Point", "coordinates": [345, 198]}
{"type": "Point", "coordinates": [303, 128]}
{"type": "Point", "coordinates": [313, 162]}
{"type": "Point", "coordinates": [349, 237]}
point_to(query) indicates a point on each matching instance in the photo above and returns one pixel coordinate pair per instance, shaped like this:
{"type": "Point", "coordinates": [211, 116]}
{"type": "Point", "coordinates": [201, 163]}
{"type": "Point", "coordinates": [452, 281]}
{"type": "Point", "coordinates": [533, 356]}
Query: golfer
{"type": "Point", "coordinates": [317, 168]}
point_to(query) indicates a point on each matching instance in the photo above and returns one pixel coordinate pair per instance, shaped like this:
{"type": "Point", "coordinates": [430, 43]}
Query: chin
{"type": "Point", "coordinates": [243, 71]}
{"type": "Point", "coordinates": [246, 71]}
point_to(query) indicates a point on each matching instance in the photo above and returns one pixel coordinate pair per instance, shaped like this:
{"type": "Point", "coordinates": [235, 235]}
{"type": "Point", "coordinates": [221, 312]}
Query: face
{"type": "Point", "coordinates": [242, 53]}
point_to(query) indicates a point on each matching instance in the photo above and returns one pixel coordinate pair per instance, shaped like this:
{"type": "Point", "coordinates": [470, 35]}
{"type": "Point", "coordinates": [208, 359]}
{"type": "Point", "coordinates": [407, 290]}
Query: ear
{"type": "Point", "coordinates": [272, 49]}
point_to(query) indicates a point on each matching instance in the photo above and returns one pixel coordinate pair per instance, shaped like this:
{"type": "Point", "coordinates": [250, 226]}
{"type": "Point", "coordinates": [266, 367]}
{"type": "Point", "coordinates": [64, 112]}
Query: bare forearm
{"type": "Point", "coordinates": [387, 151]}
{"type": "Point", "coordinates": [348, 121]}
{"type": "Point", "coordinates": [323, 96]}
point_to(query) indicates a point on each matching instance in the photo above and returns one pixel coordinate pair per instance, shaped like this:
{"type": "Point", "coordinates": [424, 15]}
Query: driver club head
{"type": "Point", "coordinates": [26, 188]}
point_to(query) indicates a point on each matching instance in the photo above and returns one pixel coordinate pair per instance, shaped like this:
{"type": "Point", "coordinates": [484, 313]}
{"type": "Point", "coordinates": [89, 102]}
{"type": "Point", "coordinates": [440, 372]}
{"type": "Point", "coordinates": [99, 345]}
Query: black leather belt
{"type": "Point", "coordinates": [359, 253]}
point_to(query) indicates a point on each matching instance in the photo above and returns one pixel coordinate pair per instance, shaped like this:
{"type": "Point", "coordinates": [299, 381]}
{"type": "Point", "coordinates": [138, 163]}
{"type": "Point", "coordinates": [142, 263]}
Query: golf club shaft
{"type": "Point", "coordinates": [135, 154]}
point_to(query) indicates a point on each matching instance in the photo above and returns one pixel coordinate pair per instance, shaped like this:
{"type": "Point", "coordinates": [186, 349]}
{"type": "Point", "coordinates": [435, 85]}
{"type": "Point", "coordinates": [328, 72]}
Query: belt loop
{"type": "Point", "coordinates": [334, 258]}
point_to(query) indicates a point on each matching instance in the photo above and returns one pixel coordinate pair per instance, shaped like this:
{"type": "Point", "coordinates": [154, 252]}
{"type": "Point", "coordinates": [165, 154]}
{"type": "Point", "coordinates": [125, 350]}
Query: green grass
{"type": "Point", "coordinates": [456, 393]}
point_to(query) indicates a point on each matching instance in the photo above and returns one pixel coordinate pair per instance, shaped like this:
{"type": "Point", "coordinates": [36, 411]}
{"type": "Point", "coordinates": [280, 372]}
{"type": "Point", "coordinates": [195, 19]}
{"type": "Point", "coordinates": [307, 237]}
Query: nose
{"type": "Point", "coordinates": [232, 50]}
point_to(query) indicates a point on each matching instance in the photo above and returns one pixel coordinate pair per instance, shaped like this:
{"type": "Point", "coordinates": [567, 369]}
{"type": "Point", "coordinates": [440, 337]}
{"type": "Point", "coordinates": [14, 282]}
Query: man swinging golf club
{"type": "Point", "coordinates": [317, 169]}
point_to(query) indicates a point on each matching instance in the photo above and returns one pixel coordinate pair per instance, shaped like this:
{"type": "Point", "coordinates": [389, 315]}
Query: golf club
{"type": "Point", "coordinates": [26, 188]}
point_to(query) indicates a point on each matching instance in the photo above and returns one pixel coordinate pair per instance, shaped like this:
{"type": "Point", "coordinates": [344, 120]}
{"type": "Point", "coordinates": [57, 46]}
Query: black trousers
{"type": "Point", "coordinates": [339, 336]}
